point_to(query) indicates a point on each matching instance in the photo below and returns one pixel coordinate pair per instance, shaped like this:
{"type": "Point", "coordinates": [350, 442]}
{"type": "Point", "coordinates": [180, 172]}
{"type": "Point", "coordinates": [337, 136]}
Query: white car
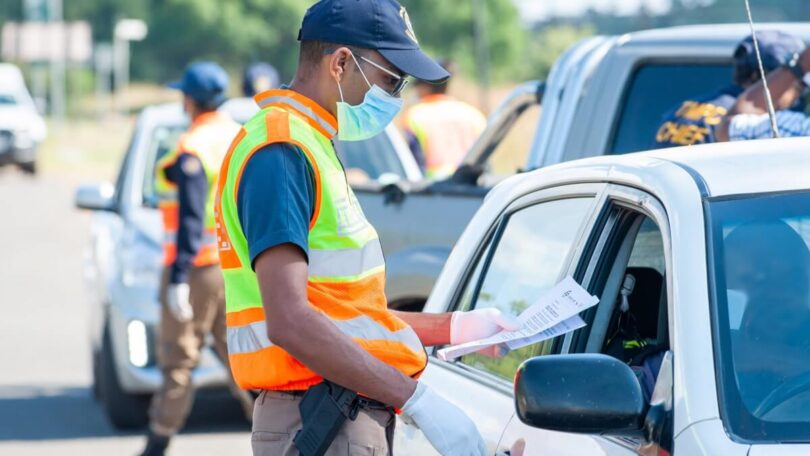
{"type": "Point", "coordinates": [124, 257]}
{"type": "Point", "coordinates": [700, 259]}
{"type": "Point", "coordinates": [22, 128]}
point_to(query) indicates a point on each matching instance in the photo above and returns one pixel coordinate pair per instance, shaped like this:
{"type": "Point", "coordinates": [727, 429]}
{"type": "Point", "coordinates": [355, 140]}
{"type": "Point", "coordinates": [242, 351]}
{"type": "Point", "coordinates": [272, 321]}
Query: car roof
{"type": "Point", "coordinates": [720, 169]}
{"type": "Point", "coordinates": [709, 34]}
{"type": "Point", "coordinates": [240, 109]}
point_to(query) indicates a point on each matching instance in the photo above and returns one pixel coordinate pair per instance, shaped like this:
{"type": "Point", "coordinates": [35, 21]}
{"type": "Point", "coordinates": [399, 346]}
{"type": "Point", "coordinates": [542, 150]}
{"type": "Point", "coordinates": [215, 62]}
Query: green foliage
{"type": "Point", "coordinates": [446, 29]}
{"type": "Point", "coordinates": [546, 44]}
{"type": "Point", "coordinates": [231, 32]}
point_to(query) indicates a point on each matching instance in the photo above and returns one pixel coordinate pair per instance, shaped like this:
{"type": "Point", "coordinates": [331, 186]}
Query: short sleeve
{"type": "Point", "coordinates": [275, 199]}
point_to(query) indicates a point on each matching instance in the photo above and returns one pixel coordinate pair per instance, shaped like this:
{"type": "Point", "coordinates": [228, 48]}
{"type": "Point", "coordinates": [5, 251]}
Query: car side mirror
{"type": "Point", "coordinates": [96, 197]}
{"type": "Point", "coordinates": [581, 393]}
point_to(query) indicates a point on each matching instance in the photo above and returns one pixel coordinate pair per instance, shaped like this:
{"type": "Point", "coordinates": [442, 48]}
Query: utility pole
{"type": "Point", "coordinates": [58, 103]}
{"type": "Point", "coordinates": [481, 51]}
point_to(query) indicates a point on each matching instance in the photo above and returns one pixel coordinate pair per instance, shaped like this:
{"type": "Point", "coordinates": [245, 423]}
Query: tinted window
{"type": "Point", "coordinates": [529, 257]}
{"type": "Point", "coordinates": [761, 260]}
{"type": "Point", "coordinates": [656, 89]}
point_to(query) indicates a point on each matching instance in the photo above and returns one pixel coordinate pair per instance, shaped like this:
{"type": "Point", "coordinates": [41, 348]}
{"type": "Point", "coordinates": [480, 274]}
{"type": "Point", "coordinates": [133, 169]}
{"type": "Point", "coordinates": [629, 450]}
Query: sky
{"type": "Point", "coordinates": [534, 10]}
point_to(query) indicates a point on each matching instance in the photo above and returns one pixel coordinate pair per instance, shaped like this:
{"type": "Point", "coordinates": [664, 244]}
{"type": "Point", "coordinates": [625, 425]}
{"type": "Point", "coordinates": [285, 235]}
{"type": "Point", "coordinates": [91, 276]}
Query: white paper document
{"type": "Point", "coordinates": [555, 313]}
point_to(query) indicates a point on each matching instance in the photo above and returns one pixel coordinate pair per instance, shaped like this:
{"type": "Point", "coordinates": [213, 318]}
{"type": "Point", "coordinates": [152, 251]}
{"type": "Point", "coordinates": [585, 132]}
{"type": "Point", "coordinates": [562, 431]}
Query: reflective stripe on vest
{"type": "Point", "coordinates": [346, 274]}
{"type": "Point", "coordinates": [208, 139]}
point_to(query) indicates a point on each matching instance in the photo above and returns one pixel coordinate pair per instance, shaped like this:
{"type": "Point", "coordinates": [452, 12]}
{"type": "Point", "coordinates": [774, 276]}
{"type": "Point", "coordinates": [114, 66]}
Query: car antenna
{"type": "Point", "coordinates": [768, 99]}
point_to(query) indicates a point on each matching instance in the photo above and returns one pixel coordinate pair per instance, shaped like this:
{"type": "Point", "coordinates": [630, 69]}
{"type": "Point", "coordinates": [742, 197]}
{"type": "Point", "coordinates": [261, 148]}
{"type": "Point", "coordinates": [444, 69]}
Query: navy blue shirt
{"type": "Point", "coordinates": [276, 198]}
{"type": "Point", "coordinates": [192, 191]}
{"type": "Point", "coordinates": [694, 120]}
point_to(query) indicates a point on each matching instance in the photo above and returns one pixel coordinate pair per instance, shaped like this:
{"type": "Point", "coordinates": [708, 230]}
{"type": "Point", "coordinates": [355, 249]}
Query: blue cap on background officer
{"type": "Point", "coordinates": [206, 83]}
{"type": "Point", "coordinates": [258, 77]}
{"type": "Point", "coordinates": [775, 47]}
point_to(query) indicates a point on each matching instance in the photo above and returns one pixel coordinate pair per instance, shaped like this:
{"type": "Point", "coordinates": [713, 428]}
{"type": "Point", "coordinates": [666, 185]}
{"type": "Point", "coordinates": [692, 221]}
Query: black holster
{"type": "Point", "coordinates": [324, 408]}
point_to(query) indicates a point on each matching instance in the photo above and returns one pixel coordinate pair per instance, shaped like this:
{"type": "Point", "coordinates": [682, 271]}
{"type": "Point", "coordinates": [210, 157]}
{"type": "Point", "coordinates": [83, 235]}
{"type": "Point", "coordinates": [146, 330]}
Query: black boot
{"type": "Point", "coordinates": [156, 445]}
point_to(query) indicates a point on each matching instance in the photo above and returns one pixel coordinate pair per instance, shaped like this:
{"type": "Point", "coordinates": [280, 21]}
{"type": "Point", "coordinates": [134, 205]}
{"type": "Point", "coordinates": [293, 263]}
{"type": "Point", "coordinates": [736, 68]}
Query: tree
{"type": "Point", "coordinates": [445, 28]}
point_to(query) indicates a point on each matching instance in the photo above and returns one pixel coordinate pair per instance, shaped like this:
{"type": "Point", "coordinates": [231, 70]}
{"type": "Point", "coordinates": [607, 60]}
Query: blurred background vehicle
{"type": "Point", "coordinates": [710, 355]}
{"type": "Point", "coordinates": [123, 262]}
{"type": "Point", "coordinates": [22, 127]}
{"type": "Point", "coordinates": [605, 95]}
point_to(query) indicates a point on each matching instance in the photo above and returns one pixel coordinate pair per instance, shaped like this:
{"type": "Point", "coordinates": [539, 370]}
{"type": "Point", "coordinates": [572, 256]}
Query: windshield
{"type": "Point", "coordinates": [761, 272]}
{"type": "Point", "coordinates": [370, 159]}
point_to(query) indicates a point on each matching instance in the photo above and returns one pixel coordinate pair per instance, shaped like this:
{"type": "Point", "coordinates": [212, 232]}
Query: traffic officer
{"type": "Point", "coordinates": [439, 128]}
{"type": "Point", "coordinates": [304, 270]}
{"type": "Point", "coordinates": [191, 292]}
{"type": "Point", "coordinates": [695, 121]}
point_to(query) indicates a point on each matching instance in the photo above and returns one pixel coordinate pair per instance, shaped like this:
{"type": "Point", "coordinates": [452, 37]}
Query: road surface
{"type": "Point", "coordinates": [45, 403]}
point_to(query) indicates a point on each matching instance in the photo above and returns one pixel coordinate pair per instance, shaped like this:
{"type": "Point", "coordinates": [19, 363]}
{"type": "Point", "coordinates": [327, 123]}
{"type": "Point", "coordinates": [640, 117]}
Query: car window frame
{"type": "Point", "coordinates": [643, 203]}
{"type": "Point", "coordinates": [583, 236]}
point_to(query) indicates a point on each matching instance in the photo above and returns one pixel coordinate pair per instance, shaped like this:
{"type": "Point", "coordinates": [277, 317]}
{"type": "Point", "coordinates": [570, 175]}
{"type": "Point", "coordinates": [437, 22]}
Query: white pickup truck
{"type": "Point", "coordinates": [701, 260]}
{"type": "Point", "coordinates": [605, 95]}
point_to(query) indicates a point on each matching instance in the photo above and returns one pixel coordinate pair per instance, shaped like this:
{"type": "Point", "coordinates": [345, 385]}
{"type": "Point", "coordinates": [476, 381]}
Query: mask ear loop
{"type": "Point", "coordinates": [361, 70]}
{"type": "Point", "coordinates": [340, 91]}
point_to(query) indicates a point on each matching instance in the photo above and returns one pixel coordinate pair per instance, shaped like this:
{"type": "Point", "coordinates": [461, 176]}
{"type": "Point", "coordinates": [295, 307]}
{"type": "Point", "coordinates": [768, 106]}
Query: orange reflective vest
{"type": "Point", "coordinates": [208, 138]}
{"type": "Point", "coordinates": [446, 129]}
{"type": "Point", "coordinates": [346, 267]}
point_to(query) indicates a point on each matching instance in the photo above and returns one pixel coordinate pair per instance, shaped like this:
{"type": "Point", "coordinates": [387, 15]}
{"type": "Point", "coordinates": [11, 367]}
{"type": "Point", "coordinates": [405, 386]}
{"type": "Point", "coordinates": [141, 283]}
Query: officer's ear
{"type": "Point", "coordinates": [338, 62]}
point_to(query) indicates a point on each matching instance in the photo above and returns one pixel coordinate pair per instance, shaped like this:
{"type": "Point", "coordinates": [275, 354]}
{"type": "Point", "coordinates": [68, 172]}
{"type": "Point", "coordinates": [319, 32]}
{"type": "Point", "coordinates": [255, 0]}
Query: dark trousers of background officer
{"type": "Point", "coordinates": [180, 345]}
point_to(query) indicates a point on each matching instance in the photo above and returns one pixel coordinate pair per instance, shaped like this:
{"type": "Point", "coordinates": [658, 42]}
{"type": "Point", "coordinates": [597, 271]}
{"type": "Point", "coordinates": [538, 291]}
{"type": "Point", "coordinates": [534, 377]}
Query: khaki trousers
{"type": "Point", "coordinates": [276, 420]}
{"type": "Point", "coordinates": [179, 346]}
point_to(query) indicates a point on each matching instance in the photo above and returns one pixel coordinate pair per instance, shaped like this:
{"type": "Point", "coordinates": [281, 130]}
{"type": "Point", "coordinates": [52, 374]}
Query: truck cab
{"type": "Point", "coordinates": [606, 95]}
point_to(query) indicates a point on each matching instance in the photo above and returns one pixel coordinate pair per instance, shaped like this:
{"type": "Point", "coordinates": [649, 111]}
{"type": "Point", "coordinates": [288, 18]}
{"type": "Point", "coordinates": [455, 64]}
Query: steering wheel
{"type": "Point", "coordinates": [780, 395]}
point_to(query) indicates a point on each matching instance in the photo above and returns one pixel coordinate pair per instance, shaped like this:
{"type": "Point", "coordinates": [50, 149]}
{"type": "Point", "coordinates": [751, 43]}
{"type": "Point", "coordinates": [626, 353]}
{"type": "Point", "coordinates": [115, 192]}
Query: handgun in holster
{"type": "Point", "coordinates": [324, 408]}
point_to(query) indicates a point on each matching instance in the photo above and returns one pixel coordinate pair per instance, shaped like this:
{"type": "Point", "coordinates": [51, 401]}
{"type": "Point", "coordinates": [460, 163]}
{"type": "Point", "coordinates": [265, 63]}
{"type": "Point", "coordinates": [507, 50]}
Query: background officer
{"type": "Point", "coordinates": [258, 77]}
{"type": "Point", "coordinates": [695, 121]}
{"type": "Point", "coordinates": [191, 291]}
{"type": "Point", "coordinates": [439, 128]}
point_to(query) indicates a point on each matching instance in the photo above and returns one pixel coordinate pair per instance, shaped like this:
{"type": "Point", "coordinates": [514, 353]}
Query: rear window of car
{"type": "Point", "coordinates": [654, 90]}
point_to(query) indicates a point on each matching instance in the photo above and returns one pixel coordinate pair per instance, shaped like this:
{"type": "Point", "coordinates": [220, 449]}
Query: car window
{"type": "Point", "coordinates": [656, 89]}
{"type": "Point", "coordinates": [528, 257]}
{"type": "Point", "coordinates": [370, 159]}
{"type": "Point", "coordinates": [162, 140]}
{"type": "Point", "coordinates": [510, 155]}
{"type": "Point", "coordinates": [7, 99]}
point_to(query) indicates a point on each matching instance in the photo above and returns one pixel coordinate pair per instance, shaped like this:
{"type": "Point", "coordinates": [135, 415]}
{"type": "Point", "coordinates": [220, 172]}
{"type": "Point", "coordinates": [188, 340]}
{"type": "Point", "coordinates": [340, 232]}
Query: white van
{"type": "Point", "coordinates": [22, 128]}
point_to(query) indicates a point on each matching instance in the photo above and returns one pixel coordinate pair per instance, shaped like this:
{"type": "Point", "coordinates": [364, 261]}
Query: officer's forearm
{"type": "Point", "coordinates": [785, 90]}
{"type": "Point", "coordinates": [432, 329]}
{"type": "Point", "coordinates": [315, 341]}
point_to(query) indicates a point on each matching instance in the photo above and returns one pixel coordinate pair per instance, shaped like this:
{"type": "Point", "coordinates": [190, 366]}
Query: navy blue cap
{"type": "Point", "coordinates": [204, 82]}
{"type": "Point", "coordinates": [382, 25]}
{"type": "Point", "coordinates": [258, 77]}
{"type": "Point", "coordinates": [776, 48]}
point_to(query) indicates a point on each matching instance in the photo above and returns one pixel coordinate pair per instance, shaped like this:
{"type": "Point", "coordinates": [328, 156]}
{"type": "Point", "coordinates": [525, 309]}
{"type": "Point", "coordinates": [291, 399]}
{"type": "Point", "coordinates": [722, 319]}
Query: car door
{"type": "Point", "coordinates": [628, 270]}
{"type": "Point", "coordinates": [527, 250]}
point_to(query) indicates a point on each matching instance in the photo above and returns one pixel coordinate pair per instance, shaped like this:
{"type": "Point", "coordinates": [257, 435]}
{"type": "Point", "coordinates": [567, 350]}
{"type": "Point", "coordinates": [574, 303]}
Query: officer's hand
{"type": "Point", "coordinates": [177, 299]}
{"type": "Point", "coordinates": [446, 427]}
{"type": "Point", "coordinates": [479, 324]}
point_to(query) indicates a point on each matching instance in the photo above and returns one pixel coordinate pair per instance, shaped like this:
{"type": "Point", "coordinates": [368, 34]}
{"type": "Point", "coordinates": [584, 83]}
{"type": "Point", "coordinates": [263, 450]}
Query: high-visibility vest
{"type": "Point", "coordinates": [446, 129]}
{"type": "Point", "coordinates": [346, 278]}
{"type": "Point", "coordinates": [208, 139]}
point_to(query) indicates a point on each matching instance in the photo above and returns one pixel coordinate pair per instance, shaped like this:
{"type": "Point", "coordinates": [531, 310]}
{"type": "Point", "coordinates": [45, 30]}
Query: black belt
{"type": "Point", "coordinates": [363, 402]}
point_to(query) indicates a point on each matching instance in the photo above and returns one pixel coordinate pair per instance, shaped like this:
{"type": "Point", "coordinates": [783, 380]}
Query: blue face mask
{"type": "Point", "coordinates": [369, 118]}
